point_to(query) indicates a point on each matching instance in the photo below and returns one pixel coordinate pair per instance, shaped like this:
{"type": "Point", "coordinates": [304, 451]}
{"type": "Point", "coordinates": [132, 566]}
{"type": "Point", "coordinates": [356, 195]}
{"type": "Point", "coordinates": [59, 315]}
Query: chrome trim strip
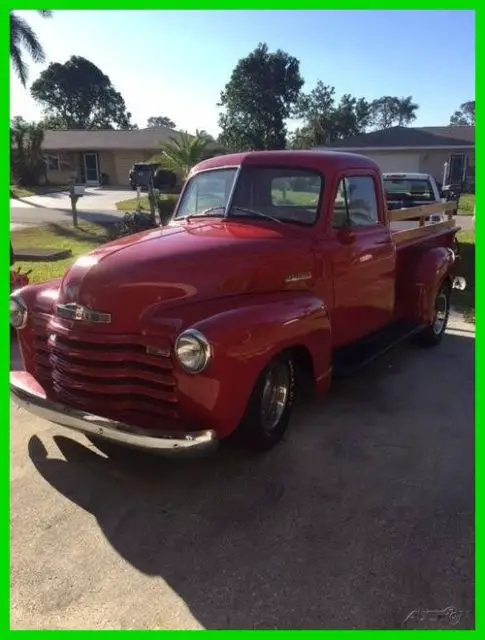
{"type": "Point", "coordinates": [169, 443]}
{"type": "Point", "coordinates": [230, 197]}
{"type": "Point", "coordinates": [73, 311]}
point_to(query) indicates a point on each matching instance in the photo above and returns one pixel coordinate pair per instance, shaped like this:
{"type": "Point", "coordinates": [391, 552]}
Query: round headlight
{"type": "Point", "coordinates": [18, 312]}
{"type": "Point", "coordinates": [193, 351]}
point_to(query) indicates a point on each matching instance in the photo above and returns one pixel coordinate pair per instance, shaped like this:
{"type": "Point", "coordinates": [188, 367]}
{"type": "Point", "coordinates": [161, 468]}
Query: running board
{"type": "Point", "coordinates": [349, 360]}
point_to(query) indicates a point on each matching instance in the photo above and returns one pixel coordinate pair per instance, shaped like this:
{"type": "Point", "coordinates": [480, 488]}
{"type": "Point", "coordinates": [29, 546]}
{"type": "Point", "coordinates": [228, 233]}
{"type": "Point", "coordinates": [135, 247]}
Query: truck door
{"type": "Point", "coordinates": [363, 258]}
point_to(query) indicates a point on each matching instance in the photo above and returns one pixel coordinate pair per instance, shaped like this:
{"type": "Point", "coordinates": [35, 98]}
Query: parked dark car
{"type": "Point", "coordinates": [142, 173]}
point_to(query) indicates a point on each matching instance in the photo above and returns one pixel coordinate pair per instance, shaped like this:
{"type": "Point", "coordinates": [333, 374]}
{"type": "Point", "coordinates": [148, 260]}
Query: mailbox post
{"type": "Point", "coordinates": [76, 191]}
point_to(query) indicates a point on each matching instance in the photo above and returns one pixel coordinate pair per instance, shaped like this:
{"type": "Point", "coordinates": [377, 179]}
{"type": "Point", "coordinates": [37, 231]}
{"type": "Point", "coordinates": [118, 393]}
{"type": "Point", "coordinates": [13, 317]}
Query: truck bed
{"type": "Point", "coordinates": [407, 231]}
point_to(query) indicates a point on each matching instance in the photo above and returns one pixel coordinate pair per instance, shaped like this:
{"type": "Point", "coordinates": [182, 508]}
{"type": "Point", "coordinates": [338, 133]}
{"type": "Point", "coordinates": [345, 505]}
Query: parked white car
{"type": "Point", "coordinates": [406, 190]}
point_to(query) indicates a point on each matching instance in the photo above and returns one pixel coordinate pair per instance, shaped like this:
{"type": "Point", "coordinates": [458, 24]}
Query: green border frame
{"type": "Point", "coordinates": [5, 343]}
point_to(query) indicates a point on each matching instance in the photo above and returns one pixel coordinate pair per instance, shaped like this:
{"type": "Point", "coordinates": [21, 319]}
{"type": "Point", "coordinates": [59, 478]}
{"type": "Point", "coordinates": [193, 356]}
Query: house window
{"type": "Point", "coordinates": [58, 162]}
{"type": "Point", "coordinates": [53, 162]}
{"type": "Point", "coordinates": [355, 203]}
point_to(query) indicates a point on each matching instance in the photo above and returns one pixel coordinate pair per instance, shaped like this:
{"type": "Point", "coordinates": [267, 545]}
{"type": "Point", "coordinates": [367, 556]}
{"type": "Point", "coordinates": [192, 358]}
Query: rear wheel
{"type": "Point", "coordinates": [433, 334]}
{"type": "Point", "coordinates": [269, 409]}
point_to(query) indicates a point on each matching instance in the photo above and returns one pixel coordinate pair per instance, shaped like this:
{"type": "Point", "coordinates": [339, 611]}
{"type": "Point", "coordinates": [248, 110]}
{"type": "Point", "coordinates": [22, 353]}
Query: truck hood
{"type": "Point", "coordinates": [148, 274]}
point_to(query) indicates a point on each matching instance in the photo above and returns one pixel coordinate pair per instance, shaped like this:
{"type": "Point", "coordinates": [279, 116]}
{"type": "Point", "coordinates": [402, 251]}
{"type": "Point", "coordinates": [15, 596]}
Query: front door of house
{"type": "Point", "coordinates": [456, 168]}
{"type": "Point", "coordinates": [91, 168]}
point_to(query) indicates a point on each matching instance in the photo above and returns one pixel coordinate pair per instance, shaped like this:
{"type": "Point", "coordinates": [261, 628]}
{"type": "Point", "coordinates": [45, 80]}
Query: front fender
{"type": "Point", "coordinates": [244, 339]}
{"type": "Point", "coordinates": [433, 267]}
{"type": "Point", "coordinates": [40, 299]}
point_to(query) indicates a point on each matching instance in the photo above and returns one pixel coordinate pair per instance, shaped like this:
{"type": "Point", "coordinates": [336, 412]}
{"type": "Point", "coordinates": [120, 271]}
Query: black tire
{"type": "Point", "coordinates": [260, 430]}
{"type": "Point", "coordinates": [433, 334]}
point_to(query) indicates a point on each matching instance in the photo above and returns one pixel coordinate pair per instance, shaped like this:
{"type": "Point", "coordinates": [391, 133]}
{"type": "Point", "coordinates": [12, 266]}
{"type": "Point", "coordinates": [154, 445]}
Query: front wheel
{"type": "Point", "coordinates": [433, 334]}
{"type": "Point", "coordinates": [270, 406]}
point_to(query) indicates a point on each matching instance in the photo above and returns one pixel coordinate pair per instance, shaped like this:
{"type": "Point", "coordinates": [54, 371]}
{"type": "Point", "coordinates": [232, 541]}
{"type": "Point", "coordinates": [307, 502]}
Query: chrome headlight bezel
{"type": "Point", "coordinates": [196, 338]}
{"type": "Point", "coordinates": [21, 310]}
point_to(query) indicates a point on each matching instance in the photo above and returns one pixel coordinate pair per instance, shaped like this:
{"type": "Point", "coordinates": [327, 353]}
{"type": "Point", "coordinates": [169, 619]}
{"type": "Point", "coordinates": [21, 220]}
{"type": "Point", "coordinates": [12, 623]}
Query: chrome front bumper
{"type": "Point", "coordinates": [27, 393]}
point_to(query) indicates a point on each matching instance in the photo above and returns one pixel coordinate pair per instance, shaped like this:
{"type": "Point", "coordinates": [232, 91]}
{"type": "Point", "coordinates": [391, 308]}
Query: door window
{"type": "Point", "coordinates": [355, 203]}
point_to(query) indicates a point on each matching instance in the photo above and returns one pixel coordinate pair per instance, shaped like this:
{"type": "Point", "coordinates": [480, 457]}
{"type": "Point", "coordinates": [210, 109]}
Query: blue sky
{"type": "Point", "coordinates": [175, 63]}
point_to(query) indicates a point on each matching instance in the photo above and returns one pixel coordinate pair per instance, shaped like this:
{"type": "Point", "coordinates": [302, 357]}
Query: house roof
{"type": "Point", "coordinates": [410, 137]}
{"type": "Point", "coordinates": [83, 140]}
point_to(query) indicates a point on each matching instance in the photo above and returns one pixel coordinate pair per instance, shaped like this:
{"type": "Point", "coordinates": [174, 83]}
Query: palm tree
{"type": "Point", "coordinates": [183, 152]}
{"type": "Point", "coordinates": [22, 36]}
{"type": "Point", "coordinates": [405, 111]}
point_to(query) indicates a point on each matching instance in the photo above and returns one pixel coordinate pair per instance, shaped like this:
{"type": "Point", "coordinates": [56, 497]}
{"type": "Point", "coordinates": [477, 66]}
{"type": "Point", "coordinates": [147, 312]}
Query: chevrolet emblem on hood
{"type": "Point", "coordinates": [77, 312]}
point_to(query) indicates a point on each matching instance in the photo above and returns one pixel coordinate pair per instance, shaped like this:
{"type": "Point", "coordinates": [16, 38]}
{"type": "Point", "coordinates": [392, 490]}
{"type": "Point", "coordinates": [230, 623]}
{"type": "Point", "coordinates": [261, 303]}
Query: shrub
{"type": "Point", "coordinates": [133, 223]}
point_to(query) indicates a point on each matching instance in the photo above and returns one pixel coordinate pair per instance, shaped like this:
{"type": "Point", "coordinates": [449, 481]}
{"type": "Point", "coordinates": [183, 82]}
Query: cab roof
{"type": "Point", "coordinates": [324, 161]}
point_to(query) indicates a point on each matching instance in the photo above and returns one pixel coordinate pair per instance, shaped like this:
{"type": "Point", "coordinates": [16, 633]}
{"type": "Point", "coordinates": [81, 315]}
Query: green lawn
{"type": "Point", "coordinates": [169, 202]}
{"type": "Point", "coordinates": [466, 204]}
{"type": "Point", "coordinates": [25, 192]}
{"type": "Point", "coordinates": [57, 236]}
{"type": "Point", "coordinates": [465, 300]}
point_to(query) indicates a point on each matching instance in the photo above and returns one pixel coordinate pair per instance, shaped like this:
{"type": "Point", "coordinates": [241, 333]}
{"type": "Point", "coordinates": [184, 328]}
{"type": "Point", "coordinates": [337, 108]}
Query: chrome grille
{"type": "Point", "coordinates": [111, 375]}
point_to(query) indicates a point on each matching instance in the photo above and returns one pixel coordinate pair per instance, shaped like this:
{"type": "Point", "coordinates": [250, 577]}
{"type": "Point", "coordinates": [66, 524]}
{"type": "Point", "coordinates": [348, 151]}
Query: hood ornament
{"type": "Point", "coordinates": [77, 312]}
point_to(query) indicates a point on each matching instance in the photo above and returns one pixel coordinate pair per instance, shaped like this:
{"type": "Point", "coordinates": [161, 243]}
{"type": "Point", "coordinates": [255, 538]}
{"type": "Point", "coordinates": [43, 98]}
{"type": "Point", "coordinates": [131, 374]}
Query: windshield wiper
{"type": "Point", "coordinates": [207, 212]}
{"type": "Point", "coordinates": [257, 213]}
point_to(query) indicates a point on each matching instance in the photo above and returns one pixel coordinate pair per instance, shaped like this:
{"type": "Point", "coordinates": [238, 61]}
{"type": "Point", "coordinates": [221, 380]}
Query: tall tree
{"type": "Point", "coordinates": [325, 120]}
{"type": "Point", "coordinates": [26, 156]}
{"type": "Point", "coordinates": [465, 115]}
{"type": "Point", "coordinates": [80, 96]}
{"type": "Point", "coordinates": [160, 121]}
{"type": "Point", "coordinates": [391, 111]}
{"type": "Point", "coordinates": [23, 38]}
{"type": "Point", "coordinates": [258, 99]}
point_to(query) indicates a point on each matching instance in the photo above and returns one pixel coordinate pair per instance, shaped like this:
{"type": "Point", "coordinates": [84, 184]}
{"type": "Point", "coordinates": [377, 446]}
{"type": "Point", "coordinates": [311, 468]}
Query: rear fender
{"type": "Point", "coordinates": [432, 268]}
{"type": "Point", "coordinates": [244, 340]}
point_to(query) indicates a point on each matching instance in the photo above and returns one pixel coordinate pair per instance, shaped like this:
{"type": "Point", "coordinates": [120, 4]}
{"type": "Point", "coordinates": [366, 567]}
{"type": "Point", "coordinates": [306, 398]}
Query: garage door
{"type": "Point", "coordinates": [396, 162]}
{"type": "Point", "coordinates": [123, 166]}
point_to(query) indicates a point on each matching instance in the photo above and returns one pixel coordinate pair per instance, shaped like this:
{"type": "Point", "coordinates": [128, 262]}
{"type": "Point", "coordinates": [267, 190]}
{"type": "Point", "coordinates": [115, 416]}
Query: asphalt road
{"type": "Point", "coordinates": [45, 215]}
{"type": "Point", "coordinates": [363, 515]}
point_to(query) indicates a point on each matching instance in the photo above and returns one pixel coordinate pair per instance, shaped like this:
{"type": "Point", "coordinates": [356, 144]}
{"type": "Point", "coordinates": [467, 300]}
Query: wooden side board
{"type": "Point", "coordinates": [424, 211]}
{"type": "Point", "coordinates": [431, 229]}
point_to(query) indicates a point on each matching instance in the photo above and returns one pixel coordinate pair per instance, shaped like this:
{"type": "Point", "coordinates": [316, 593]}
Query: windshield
{"type": "Point", "coordinates": [407, 188]}
{"type": "Point", "coordinates": [280, 195]}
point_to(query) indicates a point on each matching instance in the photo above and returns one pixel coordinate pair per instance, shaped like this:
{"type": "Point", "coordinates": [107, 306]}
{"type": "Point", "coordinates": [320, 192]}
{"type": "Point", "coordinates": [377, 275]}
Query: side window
{"type": "Point", "coordinates": [355, 203]}
{"type": "Point", "coordinates": [362, 201]}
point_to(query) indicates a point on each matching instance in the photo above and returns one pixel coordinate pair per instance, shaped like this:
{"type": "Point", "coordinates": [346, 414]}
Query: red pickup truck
{"type": "Point", "coordinates": [273, 263]}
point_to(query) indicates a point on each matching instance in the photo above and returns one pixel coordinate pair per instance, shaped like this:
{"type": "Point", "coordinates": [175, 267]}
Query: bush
{"type": "Point", "coordinates": [133, 223]}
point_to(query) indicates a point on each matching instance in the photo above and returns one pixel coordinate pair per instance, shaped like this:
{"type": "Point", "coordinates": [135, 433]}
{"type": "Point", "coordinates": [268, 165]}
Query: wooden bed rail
{"type": "Point", "coordinates": [423, 229]}
{"type": "Point", "coordinates": [424, 211]}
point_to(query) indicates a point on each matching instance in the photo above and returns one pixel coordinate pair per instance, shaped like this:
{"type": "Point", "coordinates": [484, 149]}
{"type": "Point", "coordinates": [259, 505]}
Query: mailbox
{"type": "Point", "coordinates": [79, 189]}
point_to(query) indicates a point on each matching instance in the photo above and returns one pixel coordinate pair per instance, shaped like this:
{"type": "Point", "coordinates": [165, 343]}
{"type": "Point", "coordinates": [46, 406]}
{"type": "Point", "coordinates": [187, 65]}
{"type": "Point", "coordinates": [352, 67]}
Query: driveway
{"type": "Point", "coordinates": [363, 515]}
{"type": "Point", "coordinates": [94, 199]}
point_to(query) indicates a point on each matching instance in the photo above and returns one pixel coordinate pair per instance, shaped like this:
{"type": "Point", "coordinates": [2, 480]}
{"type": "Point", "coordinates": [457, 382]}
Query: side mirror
{"type": "Point", "coordinates": [346, 235]}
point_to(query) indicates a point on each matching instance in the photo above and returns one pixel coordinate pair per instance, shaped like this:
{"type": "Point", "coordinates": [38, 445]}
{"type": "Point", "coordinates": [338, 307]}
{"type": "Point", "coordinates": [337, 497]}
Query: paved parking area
{"type": "Point", "coordinates": [364, 514]}
{"type": "Point", "coordinates": [94, 199]}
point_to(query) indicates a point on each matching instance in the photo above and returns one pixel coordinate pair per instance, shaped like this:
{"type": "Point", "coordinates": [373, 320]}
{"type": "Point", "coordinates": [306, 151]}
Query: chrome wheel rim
{"type": "Point", "coordinates": [441, 314]}
{"type": "Point", "coordinates": [276, 390]}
